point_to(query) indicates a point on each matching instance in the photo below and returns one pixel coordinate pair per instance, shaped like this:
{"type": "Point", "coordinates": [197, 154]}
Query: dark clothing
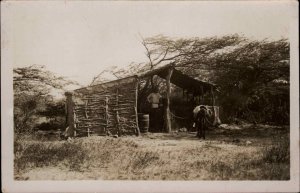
{"type": "Point", "coordinates": [155, 120]}
{"type": "Point", "coordinates": [201, 123]}
{"type": "Point", "coordinates": [154, 99]}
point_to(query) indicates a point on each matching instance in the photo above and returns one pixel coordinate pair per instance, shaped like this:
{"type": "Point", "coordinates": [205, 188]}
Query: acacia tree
{"type": "Point", "coordinates": [191, 55]}
{"type": "Point", "coordinates": [32, 92]}
{"type": "Point", "coordinates": [255, 80]}
{"type": "Point", "coordinates": [248, 72]}
{"type": "Point", "coordinates": [253, 76]}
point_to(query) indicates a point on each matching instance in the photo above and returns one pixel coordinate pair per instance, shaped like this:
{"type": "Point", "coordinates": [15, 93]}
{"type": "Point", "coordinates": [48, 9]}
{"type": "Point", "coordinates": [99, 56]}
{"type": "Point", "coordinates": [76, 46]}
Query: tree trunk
{"type": "Point", "coordinates": [213, 106]}
{"type": "Point", "coordinates": [167, 111]}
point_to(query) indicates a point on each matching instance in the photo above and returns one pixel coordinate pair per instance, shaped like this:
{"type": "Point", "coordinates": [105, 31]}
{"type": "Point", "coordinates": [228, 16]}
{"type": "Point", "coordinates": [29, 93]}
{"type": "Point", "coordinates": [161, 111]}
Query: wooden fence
{"type": "Point", "coordinates": [106, 109]}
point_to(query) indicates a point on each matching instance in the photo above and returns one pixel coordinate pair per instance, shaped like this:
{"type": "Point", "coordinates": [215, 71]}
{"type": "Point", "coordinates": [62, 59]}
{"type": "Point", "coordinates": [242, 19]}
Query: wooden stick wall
{"type": "Point", "coordinates": [106, 110]}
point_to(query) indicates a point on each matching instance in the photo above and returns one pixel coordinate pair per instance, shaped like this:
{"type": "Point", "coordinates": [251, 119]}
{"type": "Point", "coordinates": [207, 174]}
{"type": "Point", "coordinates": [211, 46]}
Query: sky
{"type": "Point", "coordinates": [78, 39]}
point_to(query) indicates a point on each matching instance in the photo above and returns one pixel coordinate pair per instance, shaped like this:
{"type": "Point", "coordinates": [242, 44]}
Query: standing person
{"type": "Point", "coordinates": [153, 99]}
{"type": "Point", "coordinates": [201, 114]}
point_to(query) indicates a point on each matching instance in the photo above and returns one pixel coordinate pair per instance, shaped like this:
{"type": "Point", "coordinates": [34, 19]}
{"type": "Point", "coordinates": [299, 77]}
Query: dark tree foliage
{"type": "Point", "coordinates": [55, 113]}
{"type": "Point", "coordinates": [32, 96]}
{"type": "Point", "coordinates": [252, 75]}
{"type": "Point", "coordinates": [54, 109]}
{"type": "Point", "coordinates": [254, 78]}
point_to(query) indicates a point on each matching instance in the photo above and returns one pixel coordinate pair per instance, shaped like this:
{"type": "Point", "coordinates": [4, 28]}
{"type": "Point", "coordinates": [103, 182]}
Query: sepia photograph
{"type": "Point", "coordinates": [150, 96]}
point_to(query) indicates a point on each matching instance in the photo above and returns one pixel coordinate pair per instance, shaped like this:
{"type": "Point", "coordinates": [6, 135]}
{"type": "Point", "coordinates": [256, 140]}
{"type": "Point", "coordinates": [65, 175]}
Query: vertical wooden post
{"type": "Point", "coordinates": [117, 112]}
{"type": "Point", "coordinates": [88, 131]}
{"type": "Point", "coordinates": [85, 109]}
{"type": "Point", "coordinates": [106, 114]}
{"type": "Point", "coordinates": [70, 113]}
{"type": "Point", "coordinates": [202, 96]}
{"type": "Point", "coordinates": [151, 81]}
{"type": "Point", "coordinates": [86, 116]}
{"type": "Point", "coordinates": [135, 108]}
{"type": "Point", "coordinates": [167, 111]}
{"type": "Point", "coordinates": [194, 97]}
{"type": "Point", "coordinates": [213, 104]}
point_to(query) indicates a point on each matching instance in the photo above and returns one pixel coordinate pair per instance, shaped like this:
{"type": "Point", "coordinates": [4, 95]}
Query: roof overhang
{"type": "Point", "coordinates": [178, 78]}
{"type": "Point", "coordinates": [181, 80]}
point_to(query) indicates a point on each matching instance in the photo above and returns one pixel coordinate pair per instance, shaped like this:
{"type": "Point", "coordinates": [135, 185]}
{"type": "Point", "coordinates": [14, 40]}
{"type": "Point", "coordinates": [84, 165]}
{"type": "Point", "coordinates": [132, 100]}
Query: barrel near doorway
{"type": "Point", "coordinates": [143, 120]}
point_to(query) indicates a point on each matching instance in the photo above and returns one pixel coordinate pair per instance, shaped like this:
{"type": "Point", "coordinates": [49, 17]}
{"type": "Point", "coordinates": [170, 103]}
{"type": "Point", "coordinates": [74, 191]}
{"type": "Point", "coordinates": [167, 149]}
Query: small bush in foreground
{"type": "Point", "coordinates": [278, 153]}
{"type": "Point", "coordinates": [39, 154]}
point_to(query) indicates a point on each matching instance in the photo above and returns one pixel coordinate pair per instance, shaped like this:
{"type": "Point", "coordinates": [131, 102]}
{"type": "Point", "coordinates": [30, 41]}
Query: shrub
{"type": "Point", "coordinates": [278, 153]}
{"type": "Point", "coordinates": [39, 154]}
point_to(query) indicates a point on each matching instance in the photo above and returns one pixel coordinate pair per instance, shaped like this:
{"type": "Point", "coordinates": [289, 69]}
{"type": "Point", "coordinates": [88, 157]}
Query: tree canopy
{"type": "Point", "coordinates": [32, 95]}
{"type": "Point", "coordinates": [253, 75]}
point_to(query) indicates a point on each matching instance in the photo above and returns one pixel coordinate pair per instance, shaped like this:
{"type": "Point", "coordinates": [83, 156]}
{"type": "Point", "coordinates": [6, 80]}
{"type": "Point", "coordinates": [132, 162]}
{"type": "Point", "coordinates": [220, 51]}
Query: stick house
{"type": "Point", "coordinates": [111, 108]}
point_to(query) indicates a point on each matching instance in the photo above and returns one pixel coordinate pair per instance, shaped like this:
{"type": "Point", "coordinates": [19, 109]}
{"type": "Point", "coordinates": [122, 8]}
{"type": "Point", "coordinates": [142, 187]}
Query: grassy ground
{"type": "Point", "coordinates": [230, 153]}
